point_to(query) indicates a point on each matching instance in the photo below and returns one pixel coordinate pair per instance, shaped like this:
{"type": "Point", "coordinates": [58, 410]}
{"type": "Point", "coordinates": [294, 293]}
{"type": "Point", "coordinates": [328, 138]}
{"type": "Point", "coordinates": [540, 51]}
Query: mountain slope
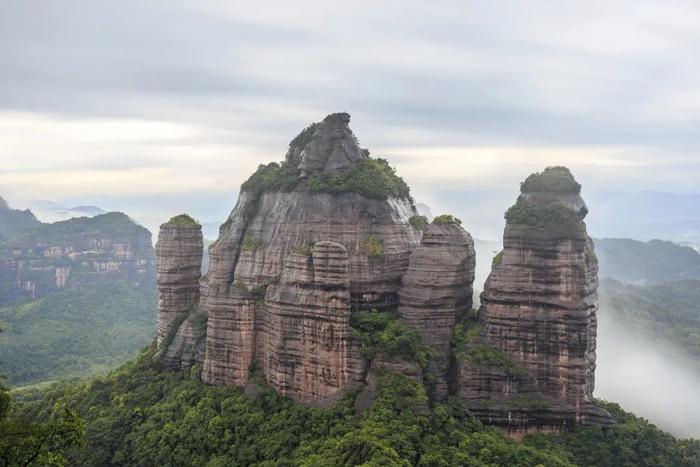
{"type": "Point", "coordinates": [75, 332]}
{"type": "Point", "coordinates": [140, 415]}
{"type": "Point", "coordinates": [633, 261]}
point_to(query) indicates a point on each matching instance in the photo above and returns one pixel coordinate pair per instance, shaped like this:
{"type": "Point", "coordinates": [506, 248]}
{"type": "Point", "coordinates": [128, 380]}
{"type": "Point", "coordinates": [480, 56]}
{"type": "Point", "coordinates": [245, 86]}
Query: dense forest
{"type": "Point", "coordinates": [75, 332]}
{"type": "Point", "coordinates": [141, 415]}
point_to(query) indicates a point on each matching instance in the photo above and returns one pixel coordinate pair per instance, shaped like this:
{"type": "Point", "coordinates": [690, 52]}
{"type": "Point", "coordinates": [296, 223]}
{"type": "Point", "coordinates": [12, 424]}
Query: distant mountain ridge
{"type": "Point", "coordinates": [656, 261]}
{"type": "Point", "coordinates": [43, 258]}
{"type": "Point", "coordinates": [14, 220]}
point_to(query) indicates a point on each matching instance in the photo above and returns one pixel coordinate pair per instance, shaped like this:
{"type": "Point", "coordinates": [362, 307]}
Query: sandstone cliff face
{"type": "Point", "coordinates": [179, 261]}
{"type": "Point", "coordinates": [436, 292]}
{"type": "Point", "coordinates": [45, 258]}
{"type": "Point", "coordinates": [308, 352]}
{"type": "Point", "coordinates": [531, 361]}
{"type": "Point", "coordinates": [267, 230]}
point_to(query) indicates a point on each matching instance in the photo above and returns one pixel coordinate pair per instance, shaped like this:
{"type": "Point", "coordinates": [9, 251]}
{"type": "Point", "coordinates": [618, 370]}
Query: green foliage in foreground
{"type": "Point", "coordinates": [634, 442]}
{"type": "Point", "coordinates": [26, 442]}
{"type": "Point", "coordinates": [373, 178]}
{"type": "Point", "coordinates": [141, 416]}
{"type": "Point", "coordinates": [556, 179]}
{"type": "Point", "coordinates": [551, 216]}
{"type": "Point", "coordinates": [75, 332]}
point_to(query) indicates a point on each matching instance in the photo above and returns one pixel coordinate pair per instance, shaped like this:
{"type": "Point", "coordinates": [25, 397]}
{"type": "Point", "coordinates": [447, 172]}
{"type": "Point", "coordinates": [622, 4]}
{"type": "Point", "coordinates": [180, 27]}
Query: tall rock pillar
{"type": "Point", "coordinates": [530, 361]}
{"type": "Point", "coordinates": [178, 260]}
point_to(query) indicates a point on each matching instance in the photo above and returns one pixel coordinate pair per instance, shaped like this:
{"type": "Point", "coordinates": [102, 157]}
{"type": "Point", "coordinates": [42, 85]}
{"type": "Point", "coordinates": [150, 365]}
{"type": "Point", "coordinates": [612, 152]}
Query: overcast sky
{"type": "Point", "coordinates": [119, 101]}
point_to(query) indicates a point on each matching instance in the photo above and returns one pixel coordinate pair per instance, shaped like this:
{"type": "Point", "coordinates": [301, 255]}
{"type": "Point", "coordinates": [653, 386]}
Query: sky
{"type": "Point", "coordinates": [157, 107]}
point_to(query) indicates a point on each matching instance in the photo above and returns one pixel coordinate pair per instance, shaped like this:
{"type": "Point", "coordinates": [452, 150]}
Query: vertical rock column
{"type": "Point", "coordinates": [436, 292]}
{"type": "Point", "coordinates": [532, 365]}
{"type": "Point", "coordinates": [178, 261]}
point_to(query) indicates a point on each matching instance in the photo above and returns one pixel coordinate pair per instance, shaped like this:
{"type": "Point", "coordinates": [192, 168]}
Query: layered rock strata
{"type": "Point", "coordinates": [436, 293]}
{"type": "Point", "coordinates": [255, 243]}
{"type": "Point", "coordinates": [315, 239]}
{"type": "Point", "coordinates": [179, 261]}
{"type": "Point", "coordinates": [531, 361]}
{"type": "Point", "coordinates": [308, 352]}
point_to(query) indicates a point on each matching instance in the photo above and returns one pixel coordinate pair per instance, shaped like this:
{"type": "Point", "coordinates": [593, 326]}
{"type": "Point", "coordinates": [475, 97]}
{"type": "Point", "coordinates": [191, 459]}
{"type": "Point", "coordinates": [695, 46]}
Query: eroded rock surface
{"type": "Point", "coordinates": [532, 361]}
{"type": "Point", "coordinates": [328, 147]}
{"type": "Point", "coordinates": [268, 229]}
{"type": "Point", "coordinates": [308, 352]}
{"type": "Point", "coordinates": [436, 292]}
{"type": "Point", "coordinates": [179, 261]}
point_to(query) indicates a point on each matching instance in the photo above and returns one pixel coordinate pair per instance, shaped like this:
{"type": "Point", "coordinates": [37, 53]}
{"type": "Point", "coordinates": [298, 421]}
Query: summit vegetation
{"type": "Point", "coordinates": [373, 178]}
{"type": "Point", "coordinates": [555, 179]}
{"type": "Point", "coordinates": [527, 214]}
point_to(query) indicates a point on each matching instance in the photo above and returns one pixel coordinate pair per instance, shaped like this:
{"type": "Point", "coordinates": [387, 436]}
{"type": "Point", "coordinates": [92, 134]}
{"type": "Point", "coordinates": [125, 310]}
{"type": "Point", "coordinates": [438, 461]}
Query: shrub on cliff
{"type": "Point", "coordinates": [447, 219]}
{"type": "Point", "coordinates": [380, 333]}
{"type": "Point", "coordinates": [527, 214]}
{"type": "Point", "coordinates": [556, 179]}
{"type": "Point", "coordinates": [183, 220]}
{"type": "Point", "coordinates": [419, 223]}
{"type": "Point", "coordinates": [272, 177]}
{"type": "Point", "coordinates": [373, 178]}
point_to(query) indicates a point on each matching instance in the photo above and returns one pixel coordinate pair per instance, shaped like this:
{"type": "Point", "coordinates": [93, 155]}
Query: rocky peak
{"type": "Point", "coordinates": [3, 204]}
{"type": "Point", "coordinates": [554, 186]}
{"type": "Point", "coordinates": [532, 354]}
{"type": "Point", "coordinates": [326, 147]}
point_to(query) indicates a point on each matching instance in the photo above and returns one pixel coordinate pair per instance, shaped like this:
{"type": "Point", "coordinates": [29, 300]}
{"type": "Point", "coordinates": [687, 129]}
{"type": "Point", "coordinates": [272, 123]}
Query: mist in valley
{"type": "Point", "coordinates": [652, 380]}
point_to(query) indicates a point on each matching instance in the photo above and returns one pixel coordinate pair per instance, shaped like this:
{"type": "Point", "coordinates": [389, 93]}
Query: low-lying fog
{"type": "Point", "coordinates": [648, 379]}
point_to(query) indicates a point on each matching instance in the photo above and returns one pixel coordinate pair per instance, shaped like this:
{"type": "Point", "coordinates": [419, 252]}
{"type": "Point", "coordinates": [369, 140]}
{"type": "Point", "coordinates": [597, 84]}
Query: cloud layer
{"type": "Point", "coordinates": [102, 98]}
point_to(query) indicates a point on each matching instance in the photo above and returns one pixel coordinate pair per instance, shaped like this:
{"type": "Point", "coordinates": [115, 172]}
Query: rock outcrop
{"type": "Point", "coordinates": [268, 224]}
{"type": "Point", "coordinates": [324, 278]}
{"type": "Point", "coordinates": [179, 262]}
{"type": "Point", "coordinates": [44, 258]}
{"type": "Point", "coordinates": [326, 147]}
{"type": "Point", "coordinates": [530, 362]}
{"type": "Point", "coordinates": [436, 292]}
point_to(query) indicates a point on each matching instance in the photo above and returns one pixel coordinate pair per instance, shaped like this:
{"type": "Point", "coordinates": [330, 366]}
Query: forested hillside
{"type": "Point", "coordinates": [667, 312]}
{"type": "Point", "coordinates": [638, 262]}
{"type": "Point", "coordinates": [75, 332]}
{"type": "Point", "coordinates": [140, 415]}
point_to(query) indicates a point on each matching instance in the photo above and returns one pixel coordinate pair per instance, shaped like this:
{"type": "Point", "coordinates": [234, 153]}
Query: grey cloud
{"type": "Point", "coordinates": [469, 72]}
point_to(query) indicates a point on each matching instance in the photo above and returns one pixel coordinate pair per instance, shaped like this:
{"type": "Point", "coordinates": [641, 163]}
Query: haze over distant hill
{"type": "Point", "coordinates": [76, 296]}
